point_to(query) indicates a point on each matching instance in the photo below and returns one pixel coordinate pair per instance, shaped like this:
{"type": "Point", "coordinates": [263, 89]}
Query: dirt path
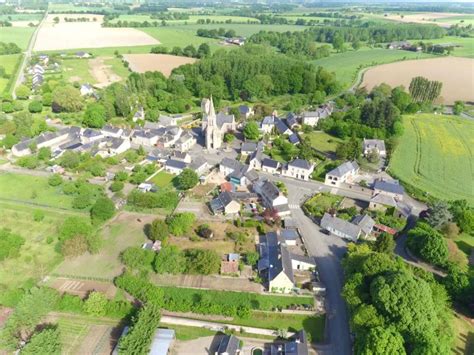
{"type": "Point", "coordinates": [102, 72]}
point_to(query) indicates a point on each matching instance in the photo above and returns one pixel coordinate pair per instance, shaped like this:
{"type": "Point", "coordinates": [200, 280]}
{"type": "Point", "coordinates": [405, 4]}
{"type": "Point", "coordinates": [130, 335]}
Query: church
{"type": "Point", "coordinates": [215, 126]}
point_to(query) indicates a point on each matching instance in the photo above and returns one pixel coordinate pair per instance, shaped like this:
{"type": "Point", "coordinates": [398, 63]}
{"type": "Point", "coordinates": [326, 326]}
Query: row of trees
{"type": "Point", "coordinates": [424, 90]}
{"type": "Point", "coordinates": [9, 48]}
{"type": "Point", "coordinates": [215, 33]}
{"type": "Point", "coordinates": [189, 51]}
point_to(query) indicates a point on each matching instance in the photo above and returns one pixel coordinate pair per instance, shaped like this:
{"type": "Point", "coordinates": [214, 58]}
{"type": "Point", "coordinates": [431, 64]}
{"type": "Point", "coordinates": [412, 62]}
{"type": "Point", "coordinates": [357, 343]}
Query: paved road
{"type": "Point", "coordinates": [27, 54]}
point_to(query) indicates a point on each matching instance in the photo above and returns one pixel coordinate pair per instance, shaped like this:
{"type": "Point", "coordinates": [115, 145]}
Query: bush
{"type": "Point", "coordinates": [202, 261]}
{"type": "Point", "coordinates": [55, 180]}
{"type": "Point", "coordinates": [96, 303]}
{"type": "Point", "coordinates": [103, 209]}
{"type": "Point", "coordinates": [428, 243]}
{"type": "Point", "coordinates": [116, 186]}
{"type": "Point", "coordinates": [38, 215]}
{"type": "Point", "coordinates": [35, 106]}
{"type": "Point", "coordinates": [158, 230]}
{"type": "Point", "coordinates": [170, 260]}
{"type": "Point", "coordinates": [179, 224]}
{"type": "Point", "coordinates": [10, 244]}
{"type": "Point", "coordinates": [137, 258]}
{"type": "Point", "coordinates": [160, 199]}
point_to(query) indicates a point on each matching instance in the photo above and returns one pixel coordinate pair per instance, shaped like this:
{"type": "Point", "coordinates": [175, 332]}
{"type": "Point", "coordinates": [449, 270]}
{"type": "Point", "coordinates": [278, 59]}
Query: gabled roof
{"type": "Point", "coordinates": [389, 186]}
{"type": "Point", "coordinates": [267, 162]}
{"type": "Point", "coordinates": [230, 163]}
{"type": "Point", "coordinates": [274, 257]}
{"type": "Point", "coordinates": [88, 132]}
{"type": "Point", "coordinates": [300, 164]}
{"type": "Point", "coordinates": [384, 200]}
{"type": "Point", "coordinates": [281, 126]}
{"type": "Point", "coordinates": [291, 119]}
{"type": "Point", "coordinates": [111, 129]}
{"type": "Point", "coordinates": [248, 147]}
{"type": "Point", "coordinates": [329, 222]}
{"type": "Point", "coordinates": [243, 109]}
{"type": "Point", "coordinates": [177, 164]}
{"type": "Point", "coordinates": [251, 175]}
{"type": "Point", "coordinates": [289, 234]}
{"type": "Point", "coordinates": [344, 168]}
{"type": "Point", "coordinates": [268, 120]}
{"type": "Point", "coordinates": [293, 138]}
{"type": "Point", "coordinates": [270, 191]}
{"type": "Point", "coordinates": [365, 222]}
{"type": "Point", "coordinates": [222, 119]}
{"type": "Point", "coordinates": [197, 163]}
{"type": "Point", "coordinates": [229, 345]}
{"type": "Point", "coordinates": [226, 198]}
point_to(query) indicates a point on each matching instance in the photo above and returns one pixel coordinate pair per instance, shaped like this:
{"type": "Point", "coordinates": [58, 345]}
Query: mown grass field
{"type": "Point", "coordinates": [346, 65]}
{"type": "Point", "coordinates": [435, 154]}
{"type": "Point", "coordinates": [322, 141]}
{"type": "Point", "coordinates": [38, 255]}
{"type": "Point", "coordinates": [18, 35]}
{"type": "Point", "coordinates": [10, 63]}
{"type": "Point", "coordinates": [162, 179]}
{"type": "Point", "coordinates": [33, 190]}
{"type": "Point", "coordinates": [77, 70]}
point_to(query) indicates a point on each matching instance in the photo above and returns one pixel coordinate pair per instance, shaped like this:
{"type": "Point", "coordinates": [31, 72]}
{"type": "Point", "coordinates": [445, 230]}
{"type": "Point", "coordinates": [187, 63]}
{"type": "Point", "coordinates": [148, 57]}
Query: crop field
{"type": "Point", "coordinates": [38, 255]}
{"type": "Point", "coordinates": [18, 35]}
{"type": "Point", "coordinates": [435, 18]}
{"type": "Point", "coordinates": [163, 63]}
{"type": "Point", "coordinates": [464, 46]}
{"type": "Point", "coordinates": [346, 65]}
{"type": "Point", "coordinates": [453, 72]}
{"type": "Point", "coordinates": [9, 62]}
{"type": "Point", "coordinates": [435, 154]}
{"type": "Point", "coordinates": [64, 35]}
{"type": "Point", "coordinates": [124, 232]}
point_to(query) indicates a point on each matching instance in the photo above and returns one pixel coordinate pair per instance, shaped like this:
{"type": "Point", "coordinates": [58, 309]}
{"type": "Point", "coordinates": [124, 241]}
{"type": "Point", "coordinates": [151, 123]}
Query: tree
{"type": "Point", "coordinates": [439, 214]}
{"type": "Point", "coordinates": [450, 230]}
{"type": "Point", "coordinates": [116, 186]}
{"type": "Point", "coordinates": [170, 260]}
{"type": "Point", "coordinates": [44, 153]}
{"type": "Point", "coordinates": [35, 106]}
{"type": "Point", "coordinates": [138, 258]}
{"type": "Point", "coordinates": [338, 42]}
{"type": "Point", "coordinates": [203, 50]}
{"type": "Point", "coordinates": [428, 243]}
{"type": "Point", "coordinates": [228, 137]}
{"type": "Point", "coordinates": [251, 130]}
{"type": "Point", "coordinates": [373, 156]}
{"type": "Point", "coordinates": [158, 230]}
{"type": "Point", "coordinates": [103, 209]}
{"type": "Point", "coordinates": [384, 244]}
{"type": "Point", "coordinates": [187, 179]}
{"type": "Point", "coordinates": [401, 99]}
{"type": "Point", "coordinates": [251, 258]}
{"type": "Point", "coordinates": [202, 261]}
{"type": "Point", "coordinates": [55, 180]}
{"type": "Point", "coordinates": [94, 116]}
{"type": "Point", "coordinates": [356, 45]}
{"type": "Point", "coordinates": [381, 340]}
{"type": "Point", "coordinates": [56, 20]}
{"type": "Point", "coordinates": [180, 223]}
{"type": "Point", "coordinates": [458, 107]}
{"type": "Point", "coordinates": [96, 304]}
{"type": "Point", "coordinates": [47, 341]}
{"type": "Point", "coordinates": [23, 92]}
{"type": "Point", "coordinates": [66, 99]}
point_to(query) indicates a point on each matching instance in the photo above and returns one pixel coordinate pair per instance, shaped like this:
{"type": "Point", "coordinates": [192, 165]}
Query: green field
{"type": "Point", "coordinates": [32, 190]}
{"type": "Point", "coordinates": [19, 35]}
{"type": "Point", "coordinates": [38, 255]}
{"type": "Point", "coordinates": [347, 64]}
{"type": "Point", "coordinates": [322, 141]}
{"type": "Point", "coordinates": [77, 70]}
{"type": "Point", "coordinates": [177, 36]}
{"type": "Point", "coordinates": [59, 7]}
{"type": "Point", "coordinates": [466, 48]}
{"type": "Point", "coordinates": [465, 20]}
{"type": "Point", "coordinates": [9, 62]}
{"type": "Point", "coordinates": [435, 154]}
{"type": "Point", "coordinates": [245, 30]}
{"type": "Point", "coordinates": [162, 179]}
{"type": "Point", "coordinates": [192, 19]}
{"type": "Point", "coordinates": [21, 17]}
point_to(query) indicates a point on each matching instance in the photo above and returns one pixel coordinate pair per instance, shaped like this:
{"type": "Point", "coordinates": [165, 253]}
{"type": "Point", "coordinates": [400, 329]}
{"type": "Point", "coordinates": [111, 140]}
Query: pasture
{"type": "Point", "coordinates": [435, 155]}
{"type": "Point", "coordinates": [453, 72]}
{"type": "Point", "coordinates": [18, 35]}
{"type": "Point", "coordinates": [346, 65]}
{"type": "Point", "coordinates": [10, 63]}
{"type": "Point", "coordinates": [163, 63]}
{"type": "Point", "coordinates": [464, 47]}
{"type": "Point", "coordinates": [100, 71]}
{"type": "Point", "coordinates": [38, 255]}
{"type": "Point", "coordinates": [64, 35]}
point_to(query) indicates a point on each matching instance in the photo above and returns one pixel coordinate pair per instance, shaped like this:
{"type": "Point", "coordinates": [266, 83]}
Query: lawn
{"type": "Point", "coordinates": [124, 232]}
{"type": "Point", "coordinates": [322, 141]}
{"type": "Point", "coordinates": [466, 48]}
{"type": "Point", "coordinates": [347, 64]}
{"type": "Point", "coordinates": [10, 62]}
{"type": "Point", "coordinates": [321, 203]}
{"type": "Point", "coordinates": [37, 256]}
{"type": "Point", "coordinates": [19, 35]}
{"type": "Point", "coordinates": [188, 333]}
{"type": "Point", "coordinates": [77, 70]}
{"type": "Point", "coordinates": [435, 155]}
{"type": "Point", "coordinates": [162, 179]}
{"type": "Point", "coordinates": [464, 336]}
{"type": "Point", "coordinates": [32, 190]}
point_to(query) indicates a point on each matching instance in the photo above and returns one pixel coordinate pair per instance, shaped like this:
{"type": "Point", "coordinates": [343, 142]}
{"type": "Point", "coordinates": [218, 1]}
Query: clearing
{"type": "Point", "coordinates": [453, 72]}
{"type": "Point", "coordinates": [435, 155]}
{"type": "Point", "coordinates": [99, 71]}
{"type": "Point", "coordinates": [346, 65]}
{"type": "Point", "coordinates": [64, 35]}
{"type": "Point", "coordinates": [103, 72]}
{"type": "Point", "coordinates": [162, 179]}
{"type": "Point", "coordinates": [163, 63]}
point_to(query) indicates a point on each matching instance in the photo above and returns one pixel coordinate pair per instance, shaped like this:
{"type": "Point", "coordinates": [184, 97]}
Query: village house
{"type": "Point", "coordinates": [90, 135]}
{"type": "Point", "coordinates": [86, 90]}
{"type": "Point", "coordinates": [113, 146]}
{"type": "Point", "coordinates": [256, 157]}
{"type": "Point", "coordinates": [229, 345]}
{"type": "Point", "coordinates": [267, 124]}
{"type": "Point", "coordinates": [175, 167]}
{"type": "Point", "coordinates": [248, 148]}
{"type": "Point", "coordinates": [165, 121]}
{"type": "Point", "coordinates": [245, 111]}
{"type": "Point", "coordinates": [297, 345]}
{"type": "Point", "coordinates": [225, 203]}
{"type": "Point", "coordinates": [110, 131]}
{"type": "Point", "coordinates": [145, 138]}
{"type": "Point", "coordinates": [311, 118]}
{"type": "Point", "coordinates": [199, 165]}
{"type": "Point", "coordinates": [282, 128]}
{"type": "Point", "coordinates": [380, 202]}
{"type": "Point", "coordinates": [270, 166]}
{"type": "Point", "coordinates": [289, 236]}
{"type": "Point", "coordinates": [345, 172]}
{"type": "Point", "coordinates": [185, 142]}
{"type": "Point", "coordinates": [160, 155]}
{"type": "Point", "coordinates": [291, 120]}
{"type": "Point", "coordinates": [230, 264]}
{"type": "Point", "coordinates": [37, 80]}
{"type": "Point", "coordinates": [215, 126]}
{"type": "Point", "coordinates": [145, 187]}
{"type": "Point", "coordinates": [340, 227]}
{"type": "Point", "coordinates": [294, 139]}
{"type": "Point", "coordinates": [389, 188]}
{"type": "Point", "coordinates": [184, 157]}
{"type": "Point", "coordinates": [399, 45]}
{"type": "Point", "coordinates": [376, 145]}
{"type": "Point", "coordinates": [365, 223]}
{"type": "Point", "coordinates": [272, 197]}
{"type": "Point", "coordinates": [298, 169]}
{"type": "Point", "coordinates": [227, 166]}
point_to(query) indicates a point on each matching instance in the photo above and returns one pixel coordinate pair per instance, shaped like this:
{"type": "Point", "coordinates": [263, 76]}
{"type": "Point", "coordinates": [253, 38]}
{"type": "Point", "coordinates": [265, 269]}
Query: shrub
{"type": "Point", "coordinates": [170, 260]}
{"type": "Point", "coordinates": [103, 209]}
{"type": "Point", "coordinates": [428, 243]}
{"type": "Point", "coordinates": [160, 199]}
{"type": "Point", "coordinates": [38, 215]}
{"type": "Point", "coordinates": [96, 303]}
{"type": "Point", "coordinates": [158, 230]}
{"type": "Point", "coordinates": [35, 106]}
{"type": "Point", "coordinates": [202, 261]}
{"type": "Point", "coordinates": [116, 186]}
{"type": "Point", "coordinates": [10, 244]}
{"type": "Point", "coordinates": [55, 180]}
{"type": "Point", "coordinates": [179, 224]}
{"type": "Point", "coordinates": [137, 258]}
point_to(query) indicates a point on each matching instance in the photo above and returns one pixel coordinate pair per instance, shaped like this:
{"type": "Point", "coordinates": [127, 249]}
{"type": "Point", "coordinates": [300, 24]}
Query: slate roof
{"type": "Point", "coordinates": [329, 222]}
{"type": "Point", "coordinates": [303, 258]}
{"type": "Point", "coordinates": [248, 147]}
{"type": "Point", "coordinates": [162, 341]}
{"type": "Point", "coordinates": [274, 257]}
{"type": "Point", "coordinates": [229, 344]}
{"type": "Point", "coordinates": [267, 162]}
{"type": "Point", "coordinates": [268, 120]}
{"type": "Point", "coordinates": [293, 138]}
{"type": "Point", "coordinates": [113, 143]}
{"type": "Point", "coordinates": [111, 129]}
{"type": "Point", "coordinates": [89, 133]}
{"type": "Point", "coordinates": [177, 164]}
{"type": "Point", "coordinates": [269, 190]}
{"type": "Point", "coordinates": [281, 126]}
{"type": "Point", "coordinates": [197, 163]}
{"type": "Point", "coordinates": [291, 119]}
{"type": "Point", "coordinates": [244, 109]}
{"type": "Point", "coordinates": [365, 222]}
{"type": "Point", "coordinates": [289, 234]}
{"type": "Point", "coordinates": [251, 175]}
{"type": "Point", "coordinates": [230, 163]}
{"type": "Point", "coordinates": [300, 164]}
{"type": "Point", "coordinates": [384, 200]}
{"type": "Point", "coordinates": [389, 186]}
{"type": "Point", "coordinates": [222, 119]}
{"type": "Point", "coordinates": [344, 168]}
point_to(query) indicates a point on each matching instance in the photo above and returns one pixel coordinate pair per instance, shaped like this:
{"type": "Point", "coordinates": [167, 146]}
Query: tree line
{"type": "Point", "coordinates": [9, 48]}
{"type": "Point", "coordinates": [213, 33]}
{"type": "Point", "coordinates": [424, 90]}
